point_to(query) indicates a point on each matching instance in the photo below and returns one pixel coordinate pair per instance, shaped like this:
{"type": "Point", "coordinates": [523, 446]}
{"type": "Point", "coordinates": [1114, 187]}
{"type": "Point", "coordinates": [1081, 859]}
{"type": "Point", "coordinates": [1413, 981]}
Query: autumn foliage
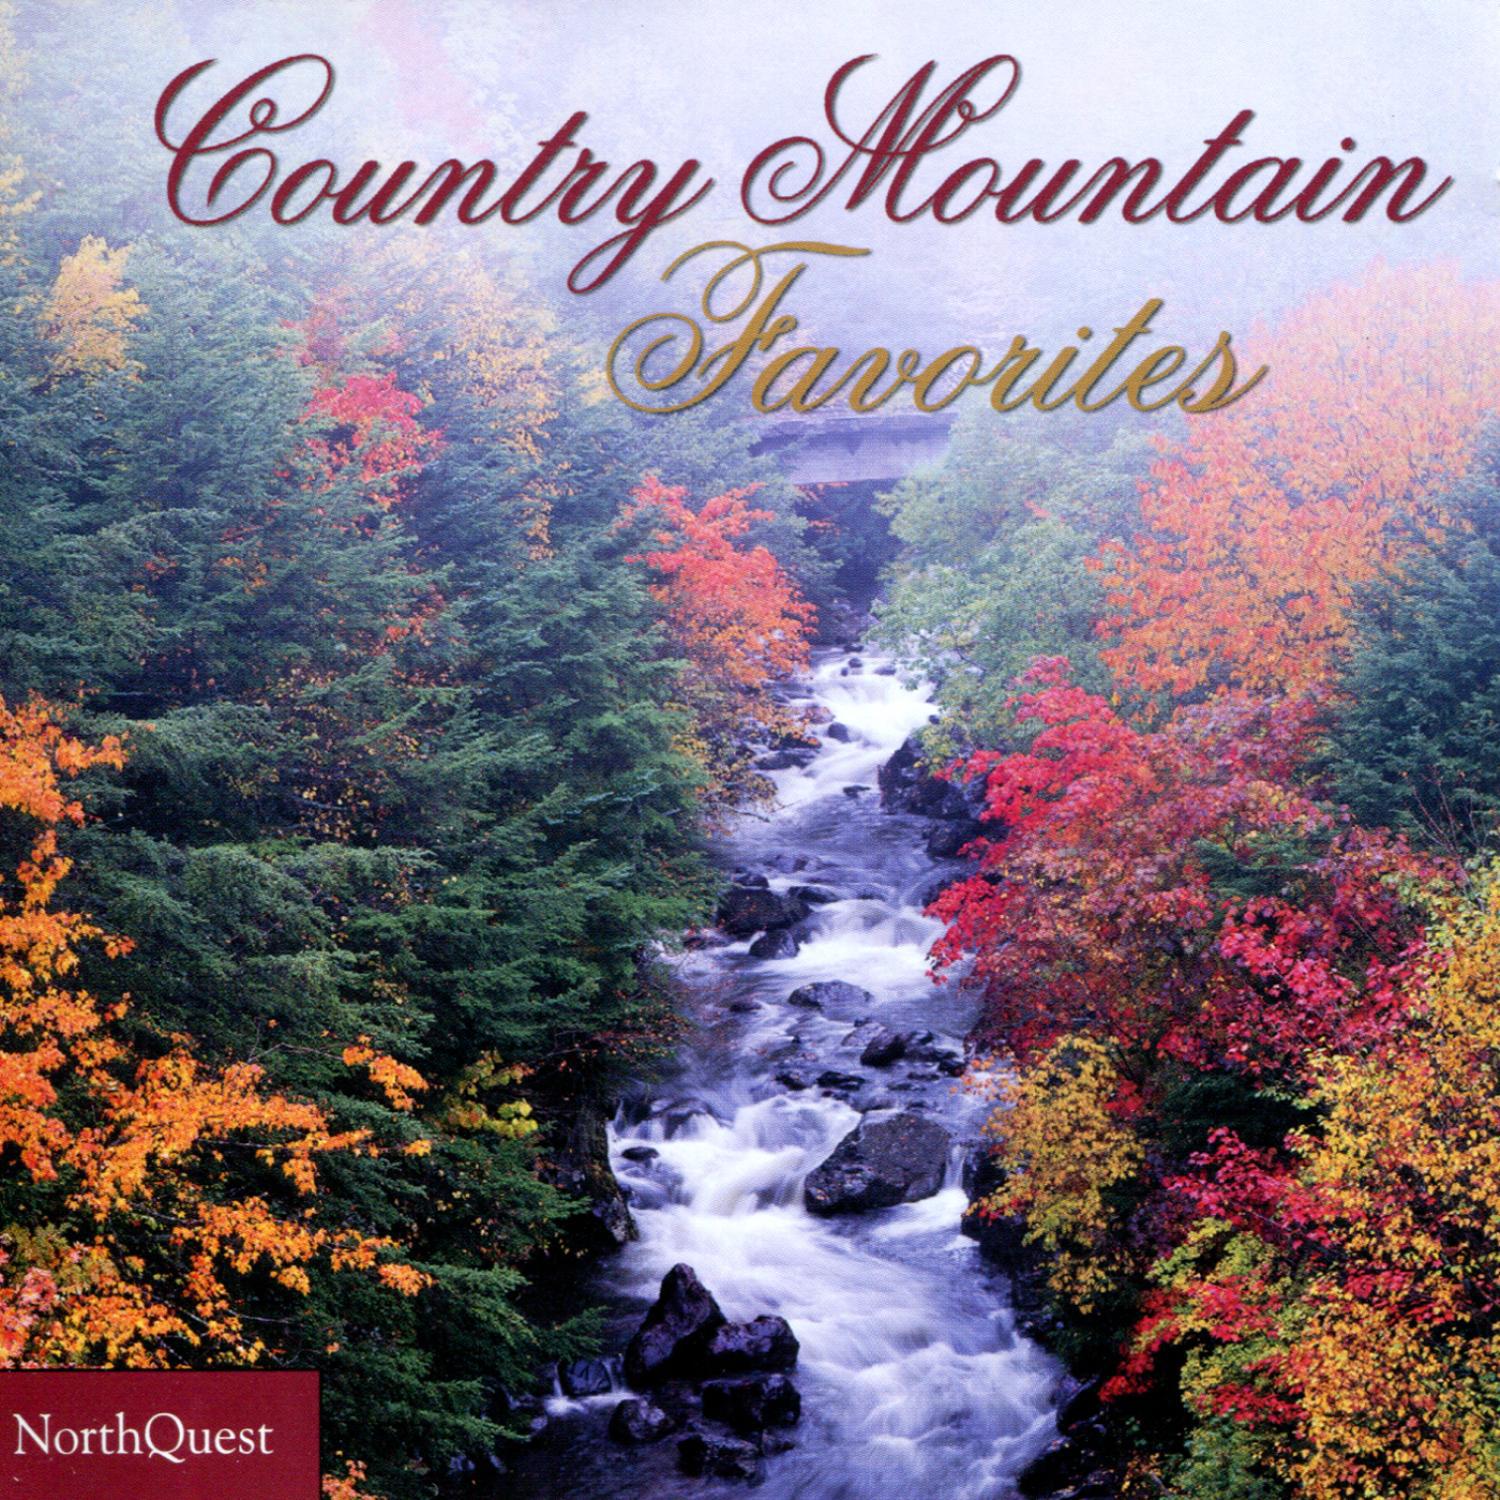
{"type": "Point", "coordinates": [140, 1254]}
{"type": "Point", "coordinates": [1247, 1045]}
{"type": "Point", "coordinates": [731, 611]}
{"type": "Point", "coordinates": [1265, 521]}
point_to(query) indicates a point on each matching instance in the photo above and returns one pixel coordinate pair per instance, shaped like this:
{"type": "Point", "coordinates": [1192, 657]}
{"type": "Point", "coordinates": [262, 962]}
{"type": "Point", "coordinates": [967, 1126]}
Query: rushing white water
{"type": "Point", "coordinates": [915, 1382]}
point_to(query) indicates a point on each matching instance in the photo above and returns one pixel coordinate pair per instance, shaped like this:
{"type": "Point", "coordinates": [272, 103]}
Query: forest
{"type": "Point", "coordinates": [372, 685]}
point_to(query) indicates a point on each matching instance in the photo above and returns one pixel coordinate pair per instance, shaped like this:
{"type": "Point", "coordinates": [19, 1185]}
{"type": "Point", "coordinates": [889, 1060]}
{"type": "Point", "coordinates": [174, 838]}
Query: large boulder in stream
{"type": "Point", "coordinates": [752, 1403]}
{"type": "Point", "coordinates": [778, 944]}
{"type": "Point", "coordinates": [674, 1334]}
{"type": "Point", "coordinates": [721, 1457]}
{"type": "Point", "coordinates": [907, 786]}
{"type": "Point", "coordinates": [829, 992]}
{"type": "Point", "coordinates": [745, 909]}
{"type": "Point", "coordinates": [636, 1421]}
{"type": "Point", "coordinates": [881, 1162]}
{"type": "Point", "coordinates": [764, 1343]}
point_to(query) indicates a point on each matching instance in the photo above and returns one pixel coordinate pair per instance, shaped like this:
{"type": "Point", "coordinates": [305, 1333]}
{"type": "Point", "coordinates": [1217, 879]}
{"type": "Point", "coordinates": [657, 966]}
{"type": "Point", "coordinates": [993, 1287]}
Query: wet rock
{"type": "Point", "coordinates": [673, 1335]}
{"type": "Point", "coordinates": [881, 1162]}
{"type": "Point", "coordinates": [883, 1048]}
{"type": "Point", "coordinates": [790, 1078]}
{"type": "Point", "coordinates": [907, 786]}
{"type": "Point", "coordinates": [840, 732]}
{"type": "Point", "coordinates": [764, 1343]}
{"type": "Point", "coordinates": [982, 1173]}
{"type": "Point", "coordinates": [722, 1457]}
{"type": "Point", "coordinates": [923, 1075]}
{"type": "Point", "coordinates": [637, 1421]}
{"type": "Point", "coordinates": [745, 909]}
{"type": "Point", "coordinates": [837, 1082]}
{"type": "Point", "coordinates": [784, 760]}
{"type": "Point", "coordinates": [855, 789]}
{"type": "Point", "coordinates": [778, 944]}
{"type": "Point", "coordinates": [743, 1007]}
{"type": "Point", "coordinates": [814, 895]}
{"type": "Point", "coordinates": [856, 661]}
{"type": "Point", "coordinates": [584, 1377]}
{"type": "Point", "coordinates": [886, 671]}
{"type": "Point", "coordinates": [751, 878]}
{"type": "Point", "coordinates": [828, 992]}
{"type": "Point", "coordinates": [640, 1153]}
{"type": "Point", "coordinates": [945, 841]}
{"type": "Point", "coordinates": [752, 1403]}
{"type": "Point", "coordinates": [927, 1048]}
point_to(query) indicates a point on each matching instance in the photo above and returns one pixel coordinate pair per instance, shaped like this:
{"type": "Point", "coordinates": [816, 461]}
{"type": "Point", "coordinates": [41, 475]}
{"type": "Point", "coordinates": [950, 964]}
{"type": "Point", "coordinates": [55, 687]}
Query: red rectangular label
{"type": "Point", "coordinates": [159, 1434]}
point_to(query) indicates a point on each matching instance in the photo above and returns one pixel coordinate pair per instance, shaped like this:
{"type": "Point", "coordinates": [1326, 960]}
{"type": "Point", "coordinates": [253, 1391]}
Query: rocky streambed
{"type": "Point", "coordinates": [800, 1307]}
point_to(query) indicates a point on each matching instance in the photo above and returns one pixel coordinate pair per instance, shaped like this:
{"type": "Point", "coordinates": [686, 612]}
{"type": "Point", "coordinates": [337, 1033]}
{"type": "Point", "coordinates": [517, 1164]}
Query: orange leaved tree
{"type": "Point", "coordinates": [150, 1201]}
{"type": "Point", "coordinates": [735, 617]}
{"type": "Point", "coordinates": [1267, 518]}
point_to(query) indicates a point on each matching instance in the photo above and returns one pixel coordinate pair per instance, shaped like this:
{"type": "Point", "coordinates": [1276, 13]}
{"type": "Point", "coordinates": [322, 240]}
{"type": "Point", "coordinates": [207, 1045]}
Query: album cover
{"type": "Point", "coordinates": [749, 747]}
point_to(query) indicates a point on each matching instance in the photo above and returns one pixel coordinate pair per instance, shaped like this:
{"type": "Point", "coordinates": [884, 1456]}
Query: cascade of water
{"type": "Point", "coordinates": [915, 1381]}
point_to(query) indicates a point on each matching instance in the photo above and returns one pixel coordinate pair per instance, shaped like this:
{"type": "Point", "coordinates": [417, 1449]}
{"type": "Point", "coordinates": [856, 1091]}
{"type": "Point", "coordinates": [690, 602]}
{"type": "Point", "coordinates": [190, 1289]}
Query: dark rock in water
{"type": "Point", "coordinates": [886, 671]}
{"type": "Point", "coordinates": [1001, 1239]}
{"type": "Point", "coordinates": [906, 785]}
{"type": "Point", "coordinates": [753, 879]}
{"type": "Point", "coordinates": [673, 1335]}
{"type": "Point", "coordinates": [840, 732]}
{"type": "Point", "coordinates": [856, 661]}
{"type": "Point", "coordinates": [764, 1343]}
{"type": "Point", "coordinates": [584, 1377]}
{"type": "Point", "coordinates": [982, 1173]}
{"type": "Point", "coordinates": [744, 909]}
{"type": "Point", "coordinates": [752, 1403]}
{"type": "Point", "coordinates": [884, 1048]}
{"type": "Point", "coordinates": [778, 944]}
{"type": "Point", "coordinates": [640, 1153]}
{"type": "Point", "coordinates": [839, 1083]}
{"type": "Point", "coordinates": [789, 1078]}
{"type": "Point", "coordinates": [881, 1162]}
{"type": "Point", "coordinates": [945, 841]}
{"type": "Point", "coordinates": [637, 1421]}
{"type": "Point", "coordinates": [743, 1007]}
{"type": "Point", "coordinates": [814, 895]}
{"type": "Point", "coordinates": [720, 1457]}
{"type": "Point", "coordinates": [855, 789]}
{"type": "Point", "coordinates": [828, 992]}
{"type": "Point", "coordinates": [784, 760]}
